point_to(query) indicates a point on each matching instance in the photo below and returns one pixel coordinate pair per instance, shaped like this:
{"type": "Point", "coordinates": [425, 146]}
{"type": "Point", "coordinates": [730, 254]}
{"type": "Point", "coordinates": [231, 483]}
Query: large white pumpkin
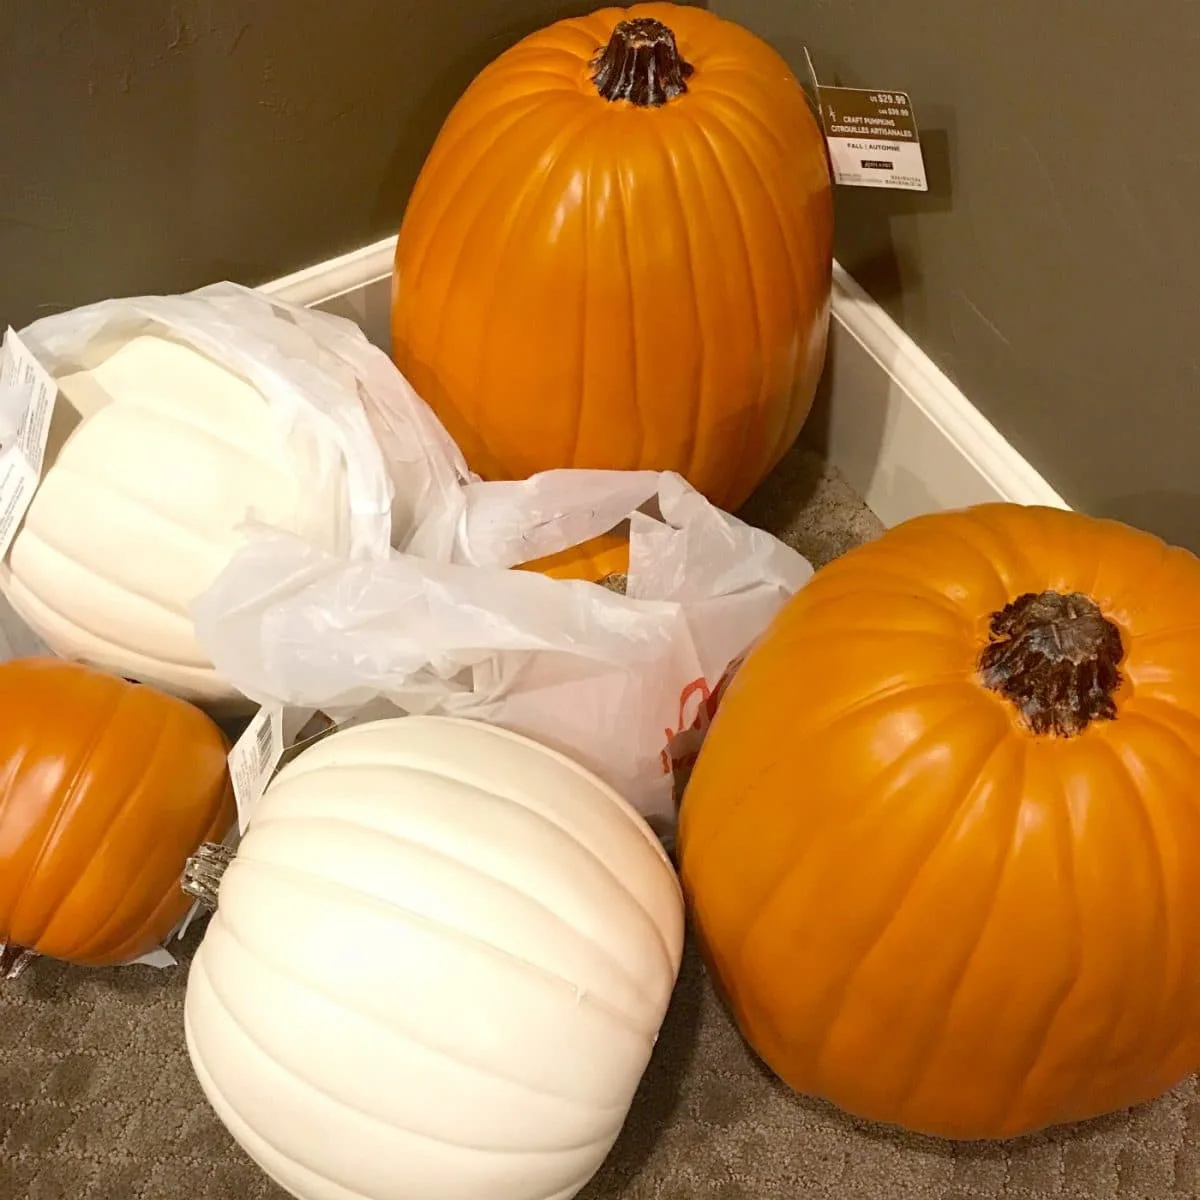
{"type": "Point", "coordinates": [436, 970]}
{"type": "Point", "coordinates": [140, 509]}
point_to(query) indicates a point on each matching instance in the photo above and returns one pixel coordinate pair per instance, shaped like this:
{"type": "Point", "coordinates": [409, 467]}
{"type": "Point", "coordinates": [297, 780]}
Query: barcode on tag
{"type": "Point", "coordinates": [26, 382]}
{"type": "Point", "coordinates": [253, 760]}
{"type": "Point", "coordinates": [263, 740]}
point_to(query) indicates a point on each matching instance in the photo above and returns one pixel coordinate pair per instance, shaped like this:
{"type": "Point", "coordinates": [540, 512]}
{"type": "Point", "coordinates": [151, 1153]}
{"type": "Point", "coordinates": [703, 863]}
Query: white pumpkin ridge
{"type": "Point", "coordinates": [507, 1152]}
{"type": "Point", "coordinates": [339, 760]}
{"type": "Point", "coordinates": [473, 872]}
{"type": "Point", "coordinates": [541, 988]}
{"type": "Point", "coordinates": [450, 772]}
{"type": "Point", "coordinates": [36, 544]}
{"type": "Point", "coordinates": [256, 1051]}
{"type": "Point", "coordinates": [143, 504]}
{"type": "Point", "coordinates": [400, 809]}
{"type": "Point", "coordinates": [318, 1183]}
{"type": "Point", "coordinates": [481, 1077]}
{"type": "Point", "coordinates": [510, 960]}
{"type": "Point", "coordinates": [136, 506]}
{"type": "Point", "coordinates": [438, 965]}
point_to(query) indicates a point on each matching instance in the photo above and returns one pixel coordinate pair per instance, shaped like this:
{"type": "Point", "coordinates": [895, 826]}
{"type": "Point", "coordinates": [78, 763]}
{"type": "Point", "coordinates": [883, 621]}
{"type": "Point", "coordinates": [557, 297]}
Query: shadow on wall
{"type": "Point", "coordinates": [866, 247]}
{"type": "Point", "coordinates": [865, 216]}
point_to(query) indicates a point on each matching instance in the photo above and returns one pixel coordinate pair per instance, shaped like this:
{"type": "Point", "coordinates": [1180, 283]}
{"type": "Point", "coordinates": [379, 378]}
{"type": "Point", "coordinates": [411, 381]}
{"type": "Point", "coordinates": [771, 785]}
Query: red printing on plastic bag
{"type": "Point", "coordinates": [683, 743]}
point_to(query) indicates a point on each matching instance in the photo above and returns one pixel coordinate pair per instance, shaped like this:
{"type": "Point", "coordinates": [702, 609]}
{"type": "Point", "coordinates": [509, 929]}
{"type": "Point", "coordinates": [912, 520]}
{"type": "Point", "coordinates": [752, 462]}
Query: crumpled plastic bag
{"type": "Point", "coordinates": [326, 388]}
{"type": "Point", "coordinates": [312, 368]}
{"type": "Point", "coordinates": [624, 684]}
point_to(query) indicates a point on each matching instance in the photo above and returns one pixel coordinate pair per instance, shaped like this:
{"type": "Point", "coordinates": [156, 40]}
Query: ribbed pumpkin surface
{"type": "Point", "coordinates": [106, 788]}
{"type": "Point", "coordinates": [437, 968]}
{"type": "Point", "coordinates": [142, 508]}
{"type": "Point", "coordinates": [583, 281]}
{"type": "Point", "coordinates": [943, 840]}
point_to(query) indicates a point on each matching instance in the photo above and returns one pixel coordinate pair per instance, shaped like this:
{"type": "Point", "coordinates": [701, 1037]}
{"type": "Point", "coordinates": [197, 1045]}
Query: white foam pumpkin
{"type": "Point", "coordinates": [436, 969]}
{"type": "Point", "coordinates": [139, 511]}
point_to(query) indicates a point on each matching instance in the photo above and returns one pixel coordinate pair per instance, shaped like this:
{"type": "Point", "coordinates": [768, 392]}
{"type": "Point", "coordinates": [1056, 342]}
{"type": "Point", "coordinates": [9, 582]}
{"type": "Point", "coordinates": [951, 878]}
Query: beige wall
{"type": "Point", "coordinates": [1052, 270]}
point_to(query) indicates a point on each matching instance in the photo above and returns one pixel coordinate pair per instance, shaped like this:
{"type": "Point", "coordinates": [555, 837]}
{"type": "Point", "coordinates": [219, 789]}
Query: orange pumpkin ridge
{"type": "Point", "coordinates": [942, 843]}
{"type": "Point", "coordinates": [618, 254]}
{"type": "Point", "coordinates": [106, 789]}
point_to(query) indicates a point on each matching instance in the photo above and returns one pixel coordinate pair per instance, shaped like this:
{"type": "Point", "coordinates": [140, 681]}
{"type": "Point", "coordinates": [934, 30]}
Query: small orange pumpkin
{"type": "Point", "coordinates": [592, 561]}
{"type": "Point", "coordinates": [618, 254]}
{"type": "Point", "coordinates": [106, 788]}
{"type": "Point", "coordinates": [942, 845]}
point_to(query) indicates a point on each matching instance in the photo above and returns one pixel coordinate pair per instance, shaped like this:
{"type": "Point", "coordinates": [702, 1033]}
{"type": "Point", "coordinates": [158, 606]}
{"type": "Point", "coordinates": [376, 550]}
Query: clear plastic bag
{"type": "Point", "coordinates": [625, 684]}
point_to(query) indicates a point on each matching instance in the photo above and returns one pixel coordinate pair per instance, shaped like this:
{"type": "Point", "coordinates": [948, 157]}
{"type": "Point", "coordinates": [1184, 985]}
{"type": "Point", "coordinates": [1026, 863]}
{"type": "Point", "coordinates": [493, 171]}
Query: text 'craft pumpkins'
{"type": "Point", "coordinates": [437, 967]}
{"type": "Point", "coordinates": [106, 788]}
{"type": "Point", "coordinates": [619, 252]}
{"type": "Point", "coordinates": [942, 844]}
{"type": "Point", "coordinates": [144, 505]}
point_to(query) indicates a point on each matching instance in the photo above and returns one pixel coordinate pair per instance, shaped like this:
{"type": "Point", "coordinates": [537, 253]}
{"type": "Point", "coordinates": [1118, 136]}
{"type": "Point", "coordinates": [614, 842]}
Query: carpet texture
{"type": "Point", "coordinates": [98, 1102]}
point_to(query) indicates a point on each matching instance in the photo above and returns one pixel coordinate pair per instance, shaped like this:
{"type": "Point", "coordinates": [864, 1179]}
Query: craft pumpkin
{"type": "Point", "coordinates": [106, 787]}
{"type": "Point", "coordinates": [594, 560]}
{"type": "Point", "coordinates": [618, 254]}
{"type": "Point", "coordinates": [942, 844]}
{"type": "Point", "coordinates": [437, 967]}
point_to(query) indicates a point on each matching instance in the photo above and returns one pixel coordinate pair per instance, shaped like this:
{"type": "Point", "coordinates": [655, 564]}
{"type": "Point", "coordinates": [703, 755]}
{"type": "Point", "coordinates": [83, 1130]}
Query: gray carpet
{"type": "Point", "coordinates": [97, 1100]}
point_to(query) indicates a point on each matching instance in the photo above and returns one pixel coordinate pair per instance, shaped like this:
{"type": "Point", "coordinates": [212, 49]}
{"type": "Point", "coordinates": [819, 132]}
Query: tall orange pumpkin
{"type": "Point", "coordinates": [942, 844]}
{"type": "Point", "coordinates": [106, 788]}
{"type": "Point", "coordinates": [618, 254]}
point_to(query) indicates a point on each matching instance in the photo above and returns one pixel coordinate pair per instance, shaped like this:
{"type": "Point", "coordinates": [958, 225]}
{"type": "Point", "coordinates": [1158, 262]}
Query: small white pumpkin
{"type": "Point", "coordinates": [437, 967]}
{"type": "Point", "coordinates": [140, 509]}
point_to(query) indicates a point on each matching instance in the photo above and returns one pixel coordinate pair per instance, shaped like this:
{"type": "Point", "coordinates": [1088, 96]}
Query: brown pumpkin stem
{"type": "Point", "coordinates": [202, 873]}
{"type": "Point", "coordinates": [641, 64]}
{"type": "Point", "coordinates": [14, 959]}
{"type": "Point", "coordinates": [1057, 658]}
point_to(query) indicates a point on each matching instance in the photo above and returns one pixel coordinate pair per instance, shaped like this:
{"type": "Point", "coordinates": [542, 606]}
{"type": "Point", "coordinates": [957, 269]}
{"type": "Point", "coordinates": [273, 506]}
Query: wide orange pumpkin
{"type": "Point", "coordinates": [618, 254]}
{"type": "Point", "coordinates": [106, 788]}
{"type": "Point", "coordinates": [942, 845]}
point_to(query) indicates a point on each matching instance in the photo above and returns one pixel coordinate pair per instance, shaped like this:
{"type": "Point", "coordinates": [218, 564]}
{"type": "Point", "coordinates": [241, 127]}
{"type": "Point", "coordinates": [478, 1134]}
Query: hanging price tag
{"type": "Point", "coordinates": [253, 760]}
{"type": "Point", "coordinates": [872, 136]}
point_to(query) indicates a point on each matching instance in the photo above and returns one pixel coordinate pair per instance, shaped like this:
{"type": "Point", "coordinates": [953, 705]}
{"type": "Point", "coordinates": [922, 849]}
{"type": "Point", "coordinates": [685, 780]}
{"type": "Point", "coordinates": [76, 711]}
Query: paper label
{"type": "Point", "coordinates": [21, 459]}
{"type": "Point", "coordinates": [873, 139]}
{"type": "Point", "coordinates": [160, 958]}
{"type": "Point", "coordinates": [253, 760]}
{"type": "Point", "coordinates": [186, 924]}
{"type": "Point", "coordinates": [872, 136]}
